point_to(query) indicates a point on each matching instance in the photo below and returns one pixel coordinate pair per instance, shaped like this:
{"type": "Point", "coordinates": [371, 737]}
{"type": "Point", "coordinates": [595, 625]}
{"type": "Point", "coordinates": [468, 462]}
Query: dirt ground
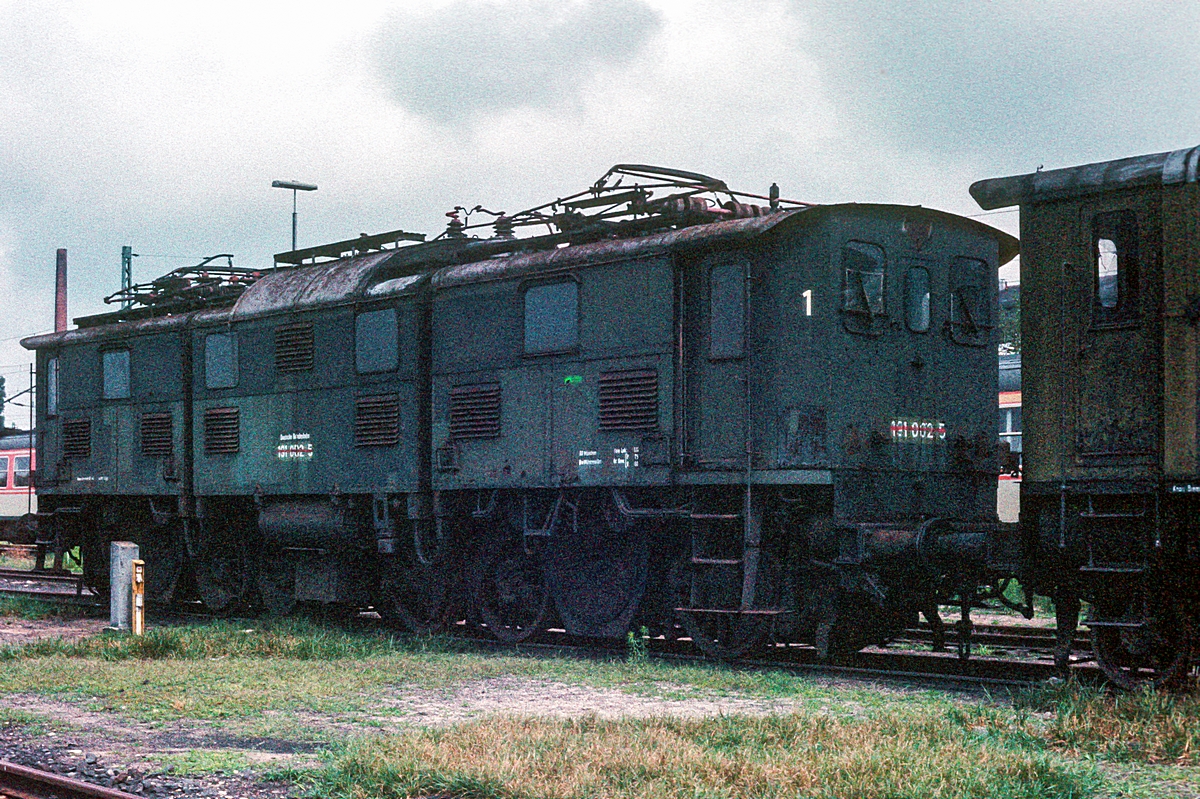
{"type": "Point", "coordinates": [117, 751]}
{"type": "Point", "coordinates": [15, 632]}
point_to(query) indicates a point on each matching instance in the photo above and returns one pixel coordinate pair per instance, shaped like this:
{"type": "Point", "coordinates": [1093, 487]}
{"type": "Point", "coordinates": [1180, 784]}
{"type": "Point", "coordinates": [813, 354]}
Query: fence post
{"type": "Point", "coordinates": [122, 554]}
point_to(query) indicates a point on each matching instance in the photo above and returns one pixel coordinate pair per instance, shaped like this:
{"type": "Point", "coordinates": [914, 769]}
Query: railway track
{"type": "Point", "coordinates": [1004, 654]}
{"type": "Point", "coordinates": [23, 782]}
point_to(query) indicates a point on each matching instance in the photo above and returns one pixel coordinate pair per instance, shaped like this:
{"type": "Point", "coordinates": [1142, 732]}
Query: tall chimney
{"type": "Point", "coordinates": [60, 293]}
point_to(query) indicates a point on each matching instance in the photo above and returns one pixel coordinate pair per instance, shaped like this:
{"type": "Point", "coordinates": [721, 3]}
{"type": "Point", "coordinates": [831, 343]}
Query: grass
{"type": "Point", "coordinates": [300, 681]}
{"type": "Point", "coordinates": [21, 607]}
{"type": "Point", "coordinates": [196, 762]}
{"type": "Point", "coordinates": [1144, 727]}
{"type": "Point", "coordinates": [920, 753]}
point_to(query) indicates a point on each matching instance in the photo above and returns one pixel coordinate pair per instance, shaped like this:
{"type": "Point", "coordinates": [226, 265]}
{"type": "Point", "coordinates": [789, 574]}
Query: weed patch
{"type": "Point", "coordinates": [912, 755]}
{"type": "Point", "coordinates": [1143, 727]}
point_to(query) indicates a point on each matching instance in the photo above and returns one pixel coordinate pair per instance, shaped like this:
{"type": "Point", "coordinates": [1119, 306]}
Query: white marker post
{"type": "Point", "coordinates": [122, 554]}
{"type": "Point", "coordinates": [139, 597]}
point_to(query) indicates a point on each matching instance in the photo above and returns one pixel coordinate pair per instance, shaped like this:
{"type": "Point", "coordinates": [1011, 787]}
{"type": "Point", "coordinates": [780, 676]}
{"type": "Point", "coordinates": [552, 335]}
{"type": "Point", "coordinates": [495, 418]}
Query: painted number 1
{"type": "Point", "coordinates": [807, 295]}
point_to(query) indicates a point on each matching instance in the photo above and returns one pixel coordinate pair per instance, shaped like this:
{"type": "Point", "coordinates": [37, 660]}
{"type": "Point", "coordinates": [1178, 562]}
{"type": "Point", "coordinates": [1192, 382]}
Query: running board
{"type": "Point", "coordinates": [1123, 625]}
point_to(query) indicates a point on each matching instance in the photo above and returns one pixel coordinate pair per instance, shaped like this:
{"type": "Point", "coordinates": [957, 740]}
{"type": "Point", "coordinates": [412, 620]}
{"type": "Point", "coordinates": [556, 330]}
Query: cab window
{"type": "Point", "coordinates": [52, 387]}
{"type": "Point", "coordinates": [1115, 260]}
{"type": "Point", "coordinates": [727, 311]}
{"type": "Point", "coordinates": [969, 321]}
{"type": "Point", "coordinates": [3, 471]}
{"type": "Point", "coordinates": [552, 317]}
{"type": "Point", "coordinates": [220, 360]}
{"type": "Point", "coordinates": [375, 341]}
{"type": "Point", "coordinates": [115, 368]}
{"type": "Point", "coordinates": [863, 287]}
{"type": "Point", "coordinates": [916, 299]}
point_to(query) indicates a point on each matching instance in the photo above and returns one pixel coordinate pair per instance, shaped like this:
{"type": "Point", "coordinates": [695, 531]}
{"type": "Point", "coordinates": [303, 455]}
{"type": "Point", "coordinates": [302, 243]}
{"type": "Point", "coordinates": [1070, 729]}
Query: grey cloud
{"type": "Point", "coordinates": [1012, 81]}
{"type": "Point", "coordinates": [472, 56]}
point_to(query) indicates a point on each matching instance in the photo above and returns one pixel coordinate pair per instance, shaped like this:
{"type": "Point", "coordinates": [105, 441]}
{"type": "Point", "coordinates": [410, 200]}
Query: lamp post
{"type": "Point", "coordinates": [295, 187]}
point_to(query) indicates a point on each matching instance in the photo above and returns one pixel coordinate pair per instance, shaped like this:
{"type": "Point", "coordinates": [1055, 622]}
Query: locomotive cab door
{"type": "Point", "coordinates": [714, 302]}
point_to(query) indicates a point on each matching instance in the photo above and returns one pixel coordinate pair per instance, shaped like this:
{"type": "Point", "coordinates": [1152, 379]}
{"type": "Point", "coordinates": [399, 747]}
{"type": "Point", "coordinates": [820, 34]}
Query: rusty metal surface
{"type": "Point", "coordinates": [1179, 166]}
{"type": "Point", "coordinates": [124, 330]}
{"type": "Point", "coordinates": [610, 249]}
{"type": "Point", "coordinates": [308, 286]}
{"type": "Point", "coordinates": [22, 781]}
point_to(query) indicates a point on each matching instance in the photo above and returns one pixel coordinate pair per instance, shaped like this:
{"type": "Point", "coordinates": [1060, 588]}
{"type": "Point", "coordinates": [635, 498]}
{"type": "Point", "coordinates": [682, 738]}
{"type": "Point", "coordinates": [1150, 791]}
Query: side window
{"type": "Point", "coordinates": [375, 341]}
{"type": "Point", "coordinates": [552, 317]}
{"type": "Point", "coordinates": [727, 311]}
{"type": "Point", "coordinates": [863, 270]}
{"type": "Point", "coordinates": [52, 387]}
{"type": "Point", "coordinates": [115, 366]}
{"type": "Point", "coordinates": [916, 299]}
{"type": "Point", "coordinates": [3, 471]}
{"type": "Point", "coordinates": [220, 360]}
{"type": "Point", "coordinates": [1114, 278]}
{"type": "Point", "coordinates": [969, 321]}
{"type": "Point", "coordinates": [21, 471]}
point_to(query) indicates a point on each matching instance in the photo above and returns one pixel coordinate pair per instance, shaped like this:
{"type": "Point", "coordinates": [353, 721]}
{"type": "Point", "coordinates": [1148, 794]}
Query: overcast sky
{"type": "Point", "coordinates": [161, 128]}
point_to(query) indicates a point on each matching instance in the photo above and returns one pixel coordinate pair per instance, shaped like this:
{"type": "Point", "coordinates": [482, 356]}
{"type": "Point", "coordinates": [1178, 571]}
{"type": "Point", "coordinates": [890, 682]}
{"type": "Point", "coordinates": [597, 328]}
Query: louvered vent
{"type": "Point", "coordinates": [221, 431]}
{"type": "Point", "coordinates": [77, 439]}
{"type": "Point", "coordinates": [156, 435]}
{"type": "Point", "coordinates": [475, 411]}
{"type": "Point", "coordinates": [629, 400]}
{"type": "Point", "coordinates": [294, 347]}
{"type": "Point", "coordinates": [377, 421]}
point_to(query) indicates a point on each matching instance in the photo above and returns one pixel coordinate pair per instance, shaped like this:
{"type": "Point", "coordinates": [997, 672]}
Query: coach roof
{"type": "Point", "coordinates": [1159, 169]}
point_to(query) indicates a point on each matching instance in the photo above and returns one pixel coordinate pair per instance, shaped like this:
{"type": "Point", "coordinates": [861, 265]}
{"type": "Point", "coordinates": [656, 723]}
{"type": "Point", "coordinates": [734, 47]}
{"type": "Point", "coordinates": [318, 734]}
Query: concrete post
{"type": "Point", "coordinates": [120, 584]}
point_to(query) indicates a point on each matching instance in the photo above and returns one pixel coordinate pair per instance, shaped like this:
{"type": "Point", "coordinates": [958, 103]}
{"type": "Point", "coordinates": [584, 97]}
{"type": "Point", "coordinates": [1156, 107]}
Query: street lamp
{"type": "Point", "coordinates": [295, 187]}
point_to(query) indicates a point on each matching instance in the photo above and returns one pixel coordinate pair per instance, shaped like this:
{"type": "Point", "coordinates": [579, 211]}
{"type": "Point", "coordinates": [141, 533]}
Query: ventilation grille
{"type": "Point", "coordinates": [77, 439]}
{"type": "Point", "coordinates": [629, 400]}
{"type": "Point", "coordinates": [294, 347]}
{"type": "Point", "coordinates": [156, 435]}
{"type": "Point", "coordinates": [475, 411]}
{"type": "Point", "coordinates": [377, 421]}
{"type": "Point", "coordinates": [221, 431]}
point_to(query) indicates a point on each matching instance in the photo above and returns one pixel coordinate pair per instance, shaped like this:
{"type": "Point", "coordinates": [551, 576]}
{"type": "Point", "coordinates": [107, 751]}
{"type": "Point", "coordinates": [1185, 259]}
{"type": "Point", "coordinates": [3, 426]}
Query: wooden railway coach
{"type": "Point", "coordinates": [1110, 502]}
{"type": "Point", "coordinates": [736, 417]}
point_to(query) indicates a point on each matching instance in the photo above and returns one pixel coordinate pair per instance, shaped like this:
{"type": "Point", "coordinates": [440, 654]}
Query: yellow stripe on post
{"type": "Point", "coordinates": [139, 597]}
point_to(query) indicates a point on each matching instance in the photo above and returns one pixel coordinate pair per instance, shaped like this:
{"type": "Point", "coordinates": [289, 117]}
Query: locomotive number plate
{"type": "Point", "coordinates": [917, 431]}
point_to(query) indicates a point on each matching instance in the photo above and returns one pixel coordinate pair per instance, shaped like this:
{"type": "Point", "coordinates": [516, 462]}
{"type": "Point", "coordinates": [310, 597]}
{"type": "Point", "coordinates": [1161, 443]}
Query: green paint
{"type": "Point", "coordinates": [573, 380]}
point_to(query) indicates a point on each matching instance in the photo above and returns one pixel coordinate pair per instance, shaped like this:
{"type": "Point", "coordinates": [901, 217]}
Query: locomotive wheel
{"type": "Point", "coordinates": [597, 572]}
{"type": "Point", "coordinates": [509, 593]}
{"type": "Point", "coordinates": [1156, 654]}
{"type": "Point", "coordinates": [720, 636]}
{"type": "Point", "coordinates": [416, 595]}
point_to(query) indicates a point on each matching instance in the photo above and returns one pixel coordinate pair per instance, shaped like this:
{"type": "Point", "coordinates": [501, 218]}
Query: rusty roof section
{"type": "Point", "coordinates": [1158, 169]}
{"type": "Point", "coordinates": [608, 250]}
{"type": "Point", "coordinates": [124, 330]}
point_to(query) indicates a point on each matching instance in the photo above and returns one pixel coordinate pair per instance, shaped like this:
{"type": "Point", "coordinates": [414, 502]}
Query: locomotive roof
{"type": "Point", "coordinates": [1165, 169]}
{"type": "Point", "coordinates": [402, 271]}
{"type": "Point", "coordinates": [695, 236]}
{"type": "Point", "coordinates": [15, 439]}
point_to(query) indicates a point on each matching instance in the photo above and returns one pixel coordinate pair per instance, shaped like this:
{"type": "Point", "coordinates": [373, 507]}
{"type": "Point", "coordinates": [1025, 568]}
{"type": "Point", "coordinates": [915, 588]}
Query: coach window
{"type": "Point", "coordinates": [52, 387]}
{"type": "Point", "coordinates": [916, 299]}
{"type": "Point", "coordinates": [1114, 253]}
{"type": "Point", "coordinates": [863, 286]}
{"type": "Point", "coordinates": [115, 367]}
{"type": "Point", "coordinates": [969, 321]}
{"type": "Point", "coordinates": [552, 317]}
{"type": "Point", "coordinates": [375, 341]}
{"type": "Point", "coordinates": [3, 471]}
{"type": "Point", "coordinates": [727, 311]}
{"type": "Point", "coordinates": [21, 471]}
{"type": "Point", "coordinates": [220, 360]}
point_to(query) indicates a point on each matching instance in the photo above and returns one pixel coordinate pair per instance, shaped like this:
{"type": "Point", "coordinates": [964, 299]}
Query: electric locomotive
{"type": "Point", "coordinates": [1110, 498]}
{"type": "Point", "coordinates": [677, 409]}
